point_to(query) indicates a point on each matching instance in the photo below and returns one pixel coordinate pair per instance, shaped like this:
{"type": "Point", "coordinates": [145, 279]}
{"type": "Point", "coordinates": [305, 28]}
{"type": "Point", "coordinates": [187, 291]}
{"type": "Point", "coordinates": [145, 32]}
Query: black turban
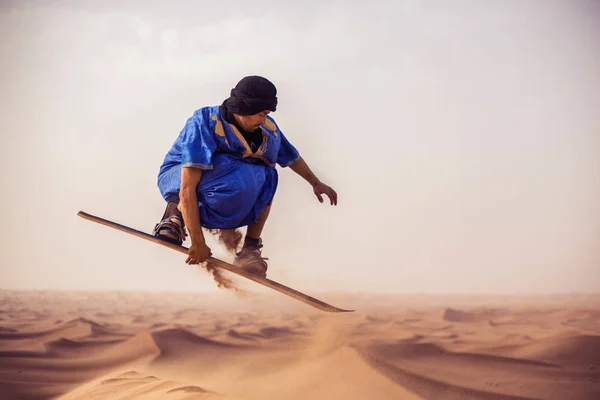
{"type": "Point", "coordinates": [252, 95]}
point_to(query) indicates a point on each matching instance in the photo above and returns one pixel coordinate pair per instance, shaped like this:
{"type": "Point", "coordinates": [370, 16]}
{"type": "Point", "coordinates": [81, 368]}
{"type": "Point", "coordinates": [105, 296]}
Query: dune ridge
{"type": "Point", "coordinates": [187, 346]}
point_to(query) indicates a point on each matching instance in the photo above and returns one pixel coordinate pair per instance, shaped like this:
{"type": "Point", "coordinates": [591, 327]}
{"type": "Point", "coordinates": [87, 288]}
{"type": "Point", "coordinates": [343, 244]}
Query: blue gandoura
{"type": "Point", "coordinates": [220, 174]}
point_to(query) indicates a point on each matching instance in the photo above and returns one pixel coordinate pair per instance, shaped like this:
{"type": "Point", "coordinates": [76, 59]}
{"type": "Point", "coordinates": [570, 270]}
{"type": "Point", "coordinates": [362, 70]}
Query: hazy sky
{"type": "Point", "coordinates": [463, 139]}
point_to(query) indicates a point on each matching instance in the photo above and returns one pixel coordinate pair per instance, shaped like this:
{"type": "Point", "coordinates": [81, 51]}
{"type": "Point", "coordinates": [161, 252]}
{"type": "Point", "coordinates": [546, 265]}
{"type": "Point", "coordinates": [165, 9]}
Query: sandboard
{"type": "Point", "coordinates": [311, 301]}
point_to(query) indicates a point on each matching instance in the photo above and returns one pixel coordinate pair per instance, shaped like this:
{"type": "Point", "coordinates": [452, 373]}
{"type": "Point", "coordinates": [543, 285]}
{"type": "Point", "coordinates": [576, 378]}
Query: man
{"type": "Point", "coordinates": [220, 174]}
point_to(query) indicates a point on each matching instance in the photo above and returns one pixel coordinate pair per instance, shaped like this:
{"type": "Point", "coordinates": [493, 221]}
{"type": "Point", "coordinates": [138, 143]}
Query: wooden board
{"type": "Point", "coordinates": [311, 301]}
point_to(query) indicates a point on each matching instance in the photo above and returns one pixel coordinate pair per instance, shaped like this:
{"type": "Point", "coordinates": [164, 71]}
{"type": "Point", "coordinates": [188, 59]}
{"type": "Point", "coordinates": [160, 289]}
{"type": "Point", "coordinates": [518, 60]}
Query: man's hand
{"type": "Point", "coordinates": [321, 188]}
{"type": "Point", "coordinates": [302, 169]}
{"type": "Point", "coordinates": [198, 253]}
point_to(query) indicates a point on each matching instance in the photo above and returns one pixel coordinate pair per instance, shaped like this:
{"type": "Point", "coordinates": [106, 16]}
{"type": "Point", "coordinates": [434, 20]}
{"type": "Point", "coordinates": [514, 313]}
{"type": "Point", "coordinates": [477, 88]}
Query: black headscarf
{"type": "Point", "coordinates": [252, 95]}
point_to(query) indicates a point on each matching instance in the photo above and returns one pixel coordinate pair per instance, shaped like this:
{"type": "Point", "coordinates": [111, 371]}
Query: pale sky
{"type": "Point", "coordinates": [463, 139]}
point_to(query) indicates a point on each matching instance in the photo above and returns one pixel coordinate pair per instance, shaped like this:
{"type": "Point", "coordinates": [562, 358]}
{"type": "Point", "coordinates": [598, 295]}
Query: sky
{"type": "Point", "coordinates": [463, 140]}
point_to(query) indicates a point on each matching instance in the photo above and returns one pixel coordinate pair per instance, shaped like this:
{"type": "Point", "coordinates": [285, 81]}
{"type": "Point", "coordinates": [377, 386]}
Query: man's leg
{"type": "Point", "coordinates": [171, 226]}
{"type": "Point", "coordinates": [255, 230]}
{"type": "Point", "coordinates": [250, 257]}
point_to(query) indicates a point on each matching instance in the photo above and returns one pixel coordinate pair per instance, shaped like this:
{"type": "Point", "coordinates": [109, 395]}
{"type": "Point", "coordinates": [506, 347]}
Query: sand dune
{"type": "Point", "coordinates": [183, 346]}
{"type": "Point", "coordinates": [133, 385]}
{"type": "Point", "coordinates": [578, 351]}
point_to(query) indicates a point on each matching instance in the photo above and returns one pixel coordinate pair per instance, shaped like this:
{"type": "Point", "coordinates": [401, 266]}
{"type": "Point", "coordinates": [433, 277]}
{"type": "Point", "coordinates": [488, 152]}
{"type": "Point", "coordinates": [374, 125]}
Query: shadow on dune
{"type": "Point", "coordinates": [431, 388]}
{"type": "Point", "coordinates": [72, 353]}
{"type": "Point", "coordinates": [433, 372]}
{"type": "Point", "coordinates": [581, 351]}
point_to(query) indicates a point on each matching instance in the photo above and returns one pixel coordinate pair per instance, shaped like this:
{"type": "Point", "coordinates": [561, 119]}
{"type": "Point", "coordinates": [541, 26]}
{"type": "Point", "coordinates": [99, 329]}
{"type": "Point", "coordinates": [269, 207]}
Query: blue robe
{"type": "Point", "coordinates": [236, 184]}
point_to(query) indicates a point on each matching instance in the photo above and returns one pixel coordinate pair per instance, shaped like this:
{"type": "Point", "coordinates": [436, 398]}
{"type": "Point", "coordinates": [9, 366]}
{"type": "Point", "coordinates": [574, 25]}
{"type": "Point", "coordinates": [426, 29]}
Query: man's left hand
{"type": "Point", "coordinates": [321, 188]}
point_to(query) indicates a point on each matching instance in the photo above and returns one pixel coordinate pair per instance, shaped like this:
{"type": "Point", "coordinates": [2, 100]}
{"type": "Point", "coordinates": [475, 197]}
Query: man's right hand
{"type": "Point", "coordinates": [198, 253]}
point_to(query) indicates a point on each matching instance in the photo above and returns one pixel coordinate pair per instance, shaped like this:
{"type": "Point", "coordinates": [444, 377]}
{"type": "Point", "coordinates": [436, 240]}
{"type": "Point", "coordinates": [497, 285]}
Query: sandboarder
{"type": "Point", "coordinates": [220, 174]}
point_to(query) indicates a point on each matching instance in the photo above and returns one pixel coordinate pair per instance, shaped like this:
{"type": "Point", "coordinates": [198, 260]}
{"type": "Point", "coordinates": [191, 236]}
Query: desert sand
{"type": "Point", "coordinates": [126, 345]}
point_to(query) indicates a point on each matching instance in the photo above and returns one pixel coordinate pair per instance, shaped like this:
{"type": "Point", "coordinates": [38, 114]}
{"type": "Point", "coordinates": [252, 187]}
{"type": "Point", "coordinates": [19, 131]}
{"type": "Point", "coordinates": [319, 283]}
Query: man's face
{"type": "Point", "coordinates": [250, 123]}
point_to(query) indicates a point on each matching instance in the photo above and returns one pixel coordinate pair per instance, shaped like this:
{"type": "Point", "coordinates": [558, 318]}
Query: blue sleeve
{"type": "Point", "coordinates": [287, 154]}
{"type": "Point", "coordinates": [197, 142]}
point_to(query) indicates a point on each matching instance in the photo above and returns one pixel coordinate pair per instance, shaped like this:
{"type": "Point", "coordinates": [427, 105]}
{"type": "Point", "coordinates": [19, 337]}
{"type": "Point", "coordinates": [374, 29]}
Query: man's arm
{"type": "Point", "coordinates": [301, 168]}
{"type": "Point", "coordinates": [190, 177]}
